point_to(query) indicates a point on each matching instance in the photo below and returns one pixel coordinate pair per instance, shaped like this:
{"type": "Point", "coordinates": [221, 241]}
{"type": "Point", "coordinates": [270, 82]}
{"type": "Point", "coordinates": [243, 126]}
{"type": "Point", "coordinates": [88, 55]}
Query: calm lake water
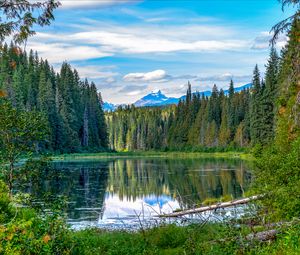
{"type": "Point", "coordinates": [117, 193]}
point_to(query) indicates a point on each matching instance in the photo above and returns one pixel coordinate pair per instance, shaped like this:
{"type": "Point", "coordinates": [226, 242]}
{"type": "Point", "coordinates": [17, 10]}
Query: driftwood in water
{"type": "Point", "coordinates": [211, 207]}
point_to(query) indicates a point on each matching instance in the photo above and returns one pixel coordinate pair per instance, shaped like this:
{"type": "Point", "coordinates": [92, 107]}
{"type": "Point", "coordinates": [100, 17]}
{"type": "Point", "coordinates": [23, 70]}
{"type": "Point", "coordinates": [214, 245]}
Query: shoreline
{"type": "Point", "coordinates": [153, 154]}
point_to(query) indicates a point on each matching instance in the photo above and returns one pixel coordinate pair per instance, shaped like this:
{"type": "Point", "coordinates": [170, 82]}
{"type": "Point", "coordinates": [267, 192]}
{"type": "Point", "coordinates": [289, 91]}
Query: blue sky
{"type": "Point", "coordinates": [130, 48]}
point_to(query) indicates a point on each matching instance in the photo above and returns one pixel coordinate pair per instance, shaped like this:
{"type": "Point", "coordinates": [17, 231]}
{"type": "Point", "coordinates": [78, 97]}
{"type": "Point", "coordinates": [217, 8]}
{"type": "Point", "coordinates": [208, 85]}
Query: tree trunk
{"type": "Point", "coordinates": [211, 207]}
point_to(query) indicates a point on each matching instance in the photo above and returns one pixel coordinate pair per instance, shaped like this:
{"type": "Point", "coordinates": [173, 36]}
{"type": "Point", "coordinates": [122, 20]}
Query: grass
{"type": "Point", "coordinates": [169, 239]}
{"type": "Point", "coordinates": [152, 154]}
{"type": "Point", "coordinates": [210, 239]}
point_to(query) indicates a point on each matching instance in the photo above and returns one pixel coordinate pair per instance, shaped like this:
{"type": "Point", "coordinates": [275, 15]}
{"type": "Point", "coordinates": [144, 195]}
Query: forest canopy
{"type": "Point", "coordinates": [72, 107]}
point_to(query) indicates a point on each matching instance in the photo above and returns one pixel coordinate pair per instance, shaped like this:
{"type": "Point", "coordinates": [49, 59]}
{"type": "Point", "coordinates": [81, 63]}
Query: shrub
{"type": "Point", "coordinates": [23, 231]}
{"type": "Point", "coordinates": [278, 176]}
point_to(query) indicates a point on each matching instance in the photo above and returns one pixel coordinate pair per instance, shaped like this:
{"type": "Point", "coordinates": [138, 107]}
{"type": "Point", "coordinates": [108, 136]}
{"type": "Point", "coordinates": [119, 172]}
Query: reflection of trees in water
{"type": "Point", "coordinates": [135, 178]}
{"type": "Point", "coordinates": [187, 180]}
{"type": "Point", "coordinates": [83, 184]}
{"type": "Point", "coordinates": [192, 180]}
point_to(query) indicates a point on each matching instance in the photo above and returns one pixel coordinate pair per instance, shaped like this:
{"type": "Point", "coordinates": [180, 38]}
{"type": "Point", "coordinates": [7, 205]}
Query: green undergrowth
{"type": "Point", "coordinates": [211, 239]}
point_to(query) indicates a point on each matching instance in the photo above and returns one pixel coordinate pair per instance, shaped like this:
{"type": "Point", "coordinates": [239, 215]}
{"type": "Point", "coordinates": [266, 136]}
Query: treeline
{"type": "Point", "coordinates": [72, 108]}
{"type": "Point", "coordinates": [234, 119]}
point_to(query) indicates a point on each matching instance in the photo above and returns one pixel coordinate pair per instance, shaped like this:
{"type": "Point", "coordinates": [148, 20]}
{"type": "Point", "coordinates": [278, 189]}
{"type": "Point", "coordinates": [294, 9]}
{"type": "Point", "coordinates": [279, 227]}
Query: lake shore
{"type": "Point", "coordinates": [152, 154]}
{"type": "Point", "coordinates": [210, 238]}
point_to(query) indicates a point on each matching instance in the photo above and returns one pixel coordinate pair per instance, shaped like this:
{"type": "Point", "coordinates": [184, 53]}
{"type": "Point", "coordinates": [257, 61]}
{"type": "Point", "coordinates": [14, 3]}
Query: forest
{"type": "Point", "coordinates": [43, 110]}
{"type": "Point", "coordinates": [77, 123]}
{"type": "Point", "coordinates": [72, 108]}
{"type": "Point", "coordinates": [232, 120]}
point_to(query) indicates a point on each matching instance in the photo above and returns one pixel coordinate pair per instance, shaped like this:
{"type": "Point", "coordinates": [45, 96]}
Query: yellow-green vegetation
{"type": "Point", "coordinates": [210, 201]}
{"type": "Point", "coordinates": [153, 154]}
{"type": "Point", "coordinates": [24, 231]}
{"type": "Point", "coordinates": [212, 239]}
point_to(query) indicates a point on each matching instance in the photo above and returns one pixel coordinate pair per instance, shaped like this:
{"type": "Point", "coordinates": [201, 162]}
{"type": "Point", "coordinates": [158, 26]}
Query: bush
{"type": "Point", "coordinates": [23, 231]}
{"type": "Point", "coordinates": [278, 176]}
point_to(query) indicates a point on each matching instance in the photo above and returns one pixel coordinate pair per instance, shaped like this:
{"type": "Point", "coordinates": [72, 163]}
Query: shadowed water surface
{"type": "Point", "coordinates": [119, 193]}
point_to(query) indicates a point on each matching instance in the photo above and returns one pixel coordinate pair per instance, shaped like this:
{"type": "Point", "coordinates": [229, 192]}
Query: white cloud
{"type": "Point", "coordinates": [96, 72]}
{"type": "Point", "coordinates": [59, 52]}
{"type": "Point", "coordinates": [134, 93]}
{"type": "Point", "coordinates": [110, 80]}
{"type": "Point", "coordinates": [130, 88]}
{"type": "Point", "coordinates": [225, 77]}
{"type": "Point", "coordinates": [131, 43]}
{"type": "Point", "coordinates": [97, 41]}
{"type": "Point", "coordinates": [262, 42]}
{"type": "Point", "coordinates": [154, 76]}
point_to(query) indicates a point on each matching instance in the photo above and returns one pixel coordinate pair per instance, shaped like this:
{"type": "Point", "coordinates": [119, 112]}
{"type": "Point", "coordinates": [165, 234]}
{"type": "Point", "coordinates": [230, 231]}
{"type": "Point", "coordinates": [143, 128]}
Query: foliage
{"type": "Point", "coordinates": [278, 174]}
{"type": "Point", "coordinates": [74, 114]}
{"type": "Point", "coordinates": [6, 209]}
{"type": "Point", "coordinates": [72, 108]}
{"type": "Point", "coordinates": [23, 231]}
{"type": "Point", "coordinates": [198, 123]}
{"type": "Point", "coordinates": [285, 25]}
{"type": "Point", "coordinates": [286, 243]}
{"type": "Point", "coordinates": [211, 239]}
{"type": "Point", "coordinates": [19, 16]}
{"type": "Point", "coordinates": [20, 132]}
{"type": "Point", "coordinates": [220, 122]}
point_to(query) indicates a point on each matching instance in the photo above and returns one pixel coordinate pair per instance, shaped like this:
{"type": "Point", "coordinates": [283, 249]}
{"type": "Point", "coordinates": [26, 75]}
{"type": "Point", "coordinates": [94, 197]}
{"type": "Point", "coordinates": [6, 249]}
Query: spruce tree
{"type": "Point", "coordinates": [270, 96]}
{"type": "Point", "coordinates": [256, 108]}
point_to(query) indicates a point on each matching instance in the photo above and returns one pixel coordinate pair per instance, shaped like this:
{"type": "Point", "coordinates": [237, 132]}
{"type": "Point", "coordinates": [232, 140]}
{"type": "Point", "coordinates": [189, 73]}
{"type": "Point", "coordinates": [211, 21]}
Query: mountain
{"type": "Point", "coordinates": [208, 93]}
{"type": "Point", "coordinates": [157, 98]}
{"type": "Point", "coordinates": [108, 107]}
{"type": "Point", "coordinates": [239, 89]}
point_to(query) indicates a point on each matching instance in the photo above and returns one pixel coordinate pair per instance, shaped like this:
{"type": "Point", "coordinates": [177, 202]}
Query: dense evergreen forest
{"type": "Point", "coordinates": [73, 110]}
{"type": "Point", "coordinates": [235, 119]}
{"type": "Point", "coordinates": [268, 114]}
{"type": "Point", "coordinates": [71, 107]}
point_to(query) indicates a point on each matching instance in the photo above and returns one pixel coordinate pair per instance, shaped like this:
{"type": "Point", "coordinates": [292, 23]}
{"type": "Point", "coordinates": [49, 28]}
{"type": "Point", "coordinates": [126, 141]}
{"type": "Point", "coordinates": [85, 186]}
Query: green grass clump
{"type": "Point", "coordinates": [210, 201]}
{"type": "Point", "coordinates": [211, 239]}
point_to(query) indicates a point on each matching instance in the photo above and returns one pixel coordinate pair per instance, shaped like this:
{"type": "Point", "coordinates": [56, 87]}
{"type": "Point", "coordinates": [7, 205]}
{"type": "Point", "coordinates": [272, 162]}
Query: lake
{"type": "Point", "coordinates": [122, 193]}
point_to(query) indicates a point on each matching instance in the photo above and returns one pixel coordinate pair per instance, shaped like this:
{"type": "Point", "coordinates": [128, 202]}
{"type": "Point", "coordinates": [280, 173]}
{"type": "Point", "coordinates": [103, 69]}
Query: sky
{"type": "Point", "coordinates": [132, 47]}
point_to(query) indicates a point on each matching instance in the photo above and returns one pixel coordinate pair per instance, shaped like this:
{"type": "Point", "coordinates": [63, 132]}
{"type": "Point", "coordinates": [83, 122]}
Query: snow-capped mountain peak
{"type": "Point", "coordinates": [156, 92]}
{"type": "Point", "coordinates": [155, 98]}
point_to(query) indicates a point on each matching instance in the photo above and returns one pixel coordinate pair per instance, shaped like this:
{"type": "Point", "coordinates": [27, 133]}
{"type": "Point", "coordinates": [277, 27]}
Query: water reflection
{"type": "Point", "coordinates": [115, 192]}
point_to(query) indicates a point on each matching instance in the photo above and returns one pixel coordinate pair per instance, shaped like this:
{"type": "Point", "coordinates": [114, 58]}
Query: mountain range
{"type": "Point", "coordinates": [157, 98]}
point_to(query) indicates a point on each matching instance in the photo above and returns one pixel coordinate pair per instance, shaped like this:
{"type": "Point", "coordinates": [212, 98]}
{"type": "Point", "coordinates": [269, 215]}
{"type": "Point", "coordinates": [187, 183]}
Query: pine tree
{"type": "Point", "coordinates": [32, 84]}
{"type": "Point", "coordinates": [17, 89]}
{"type": "Point", "coordinates": [231, 109]}
{"type": "Point", "coordinates": [256, 108]}
{"type": "Point", "coordinates": [269, 96]}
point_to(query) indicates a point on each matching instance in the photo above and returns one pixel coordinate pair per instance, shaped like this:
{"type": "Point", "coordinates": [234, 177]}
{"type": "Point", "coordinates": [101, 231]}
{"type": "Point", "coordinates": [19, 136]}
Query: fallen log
{"type": "Point", "coordinates": [263, 236]}
{"type": "Point", "coordinates": [211, 207]}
